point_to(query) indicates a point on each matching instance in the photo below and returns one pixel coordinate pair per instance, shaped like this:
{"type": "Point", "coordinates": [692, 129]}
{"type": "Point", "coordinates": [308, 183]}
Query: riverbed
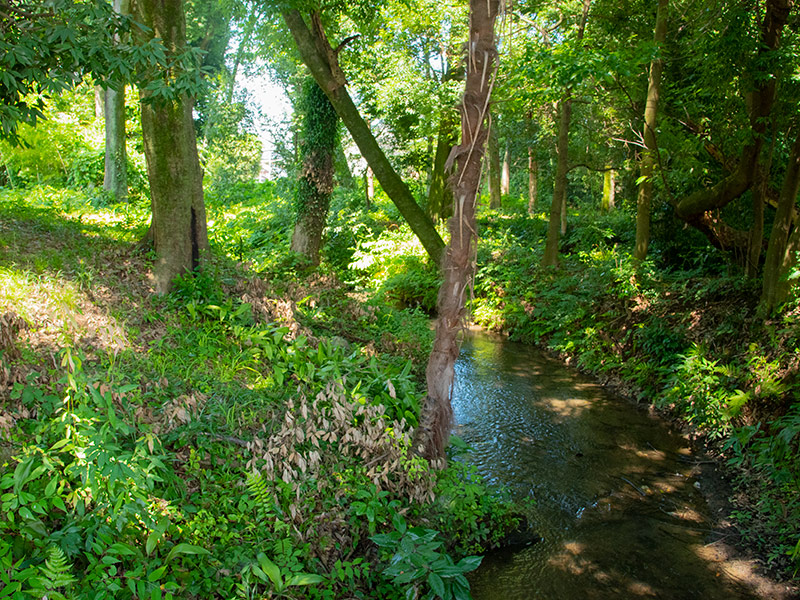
{"type": "Point", "coordinates": [619, 510]}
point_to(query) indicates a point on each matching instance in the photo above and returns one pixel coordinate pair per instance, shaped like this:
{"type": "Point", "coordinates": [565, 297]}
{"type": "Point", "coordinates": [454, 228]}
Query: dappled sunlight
{"type": "Point", "coordinates": [618, 507]}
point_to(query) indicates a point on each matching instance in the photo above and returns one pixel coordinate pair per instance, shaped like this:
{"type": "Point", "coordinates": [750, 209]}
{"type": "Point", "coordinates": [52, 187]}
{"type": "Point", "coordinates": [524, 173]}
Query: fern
{"type": "Point", "coordinates": [55, 573]}
{"type": "Point", "coordinates": [259, 488]}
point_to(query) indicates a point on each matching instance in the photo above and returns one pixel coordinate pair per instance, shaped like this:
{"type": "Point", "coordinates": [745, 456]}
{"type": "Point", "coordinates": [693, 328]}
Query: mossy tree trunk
{"type": "Point", "coordinates": [178, 227]}
{"type": "Point", "coordinates": [440, 196]}
{"type": "Point", "coordinates": [609, 189]}
{"type": "Point", "coordinates": [459, 261]}
{"type": "Point", "coordinates": [533, 180]}
{"type": "Point", "coordinates": [495, 198]}
{"type": "Point", "coordinates": [318, 147]}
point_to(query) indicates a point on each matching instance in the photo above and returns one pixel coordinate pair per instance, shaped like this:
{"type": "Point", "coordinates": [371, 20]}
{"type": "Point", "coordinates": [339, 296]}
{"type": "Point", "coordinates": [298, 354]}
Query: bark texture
{"type": "Point", "coordinates": [178, 228]}
{"type": "Point", "coordinates": [115, 174]}
{"type": "Point", "coordinates": [458, 263]}
{"type": "Point", "coordinates": [783, 241]}
{"type": "Point", "coordinates": [322, 61]}
{"type": "Point", "coordinates": [647, 166]}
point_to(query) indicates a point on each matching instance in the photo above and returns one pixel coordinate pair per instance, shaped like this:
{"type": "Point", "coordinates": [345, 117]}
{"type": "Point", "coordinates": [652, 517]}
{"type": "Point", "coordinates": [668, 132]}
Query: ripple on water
{"type": "Point", "coordinates": [615, 507]}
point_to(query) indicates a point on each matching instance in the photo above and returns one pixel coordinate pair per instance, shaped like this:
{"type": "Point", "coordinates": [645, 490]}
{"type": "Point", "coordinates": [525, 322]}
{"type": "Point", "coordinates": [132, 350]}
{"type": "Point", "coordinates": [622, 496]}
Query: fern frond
{"type": "Point", "coordinates": [56, 570]}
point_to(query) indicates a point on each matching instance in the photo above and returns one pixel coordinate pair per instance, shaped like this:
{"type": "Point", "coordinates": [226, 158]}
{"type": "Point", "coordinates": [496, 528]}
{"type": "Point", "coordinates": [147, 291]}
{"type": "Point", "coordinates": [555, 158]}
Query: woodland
{"type": "Point", "coordinates": [225, 372]}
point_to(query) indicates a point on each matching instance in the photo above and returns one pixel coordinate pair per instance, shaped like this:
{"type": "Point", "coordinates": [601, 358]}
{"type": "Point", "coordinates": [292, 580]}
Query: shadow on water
{"type": "Point", "coordinates": [617, 508]}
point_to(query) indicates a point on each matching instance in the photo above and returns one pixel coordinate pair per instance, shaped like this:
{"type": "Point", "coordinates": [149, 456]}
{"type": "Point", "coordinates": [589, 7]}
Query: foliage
{"type": "Point", "coordinates": [418, 562]}
{"type": "Point", "coordinates": [48, 47]}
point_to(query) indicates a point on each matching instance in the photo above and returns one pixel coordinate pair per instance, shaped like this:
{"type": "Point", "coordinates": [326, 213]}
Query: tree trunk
{"type": "Point", "coordinates": [533, 180]}
{"type": "Point", "coordinates": [780, 256]}
{"type": "Point", "coordinates": [558, 214]}
{"type": "Point", "coordinates": [115, 176]}
{"type": "Point", "coordinates": [320, 136]}
{"type": "Point", "coordinates": [323, 63]}
{"type": "Point", "coordinates": [344, 176]}
{"type": "Point", "coordinates": [440, 196]}
{"type": "Point", "coordinates": [178, 228]}
{"type": "Point", "coordinates": [609, 191]}
{"type": "Point", "coordinates": [505, 173]}
{"type": "Point", "coordinates": [458, 263]}
{"type": "Point", "coordinates": [369, 187]}
{"type": "Point", "coordinates": [559, 190]}
{"type": "Point", "coordinates": [99, 102]}
{"type": "Point", "coordinates": [647, 165]}
{"type": "Point", "coordinates": [495, 198]}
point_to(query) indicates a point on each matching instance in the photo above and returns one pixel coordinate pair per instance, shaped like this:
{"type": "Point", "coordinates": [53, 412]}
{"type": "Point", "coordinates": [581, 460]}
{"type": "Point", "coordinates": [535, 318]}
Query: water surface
{"type": "Point", "coordinates": [617, 505]}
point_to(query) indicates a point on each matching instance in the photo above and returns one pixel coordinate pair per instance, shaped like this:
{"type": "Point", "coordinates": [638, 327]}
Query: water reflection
{"type": "Point", "coordinates": [616, 507]}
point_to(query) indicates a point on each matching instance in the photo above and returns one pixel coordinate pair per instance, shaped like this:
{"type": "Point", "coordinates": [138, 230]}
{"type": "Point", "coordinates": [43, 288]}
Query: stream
{"type": "Point", "coordinates": [617, 511]}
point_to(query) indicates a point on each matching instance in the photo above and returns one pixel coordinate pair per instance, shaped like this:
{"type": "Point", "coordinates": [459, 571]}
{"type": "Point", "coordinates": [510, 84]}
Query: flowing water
{"type": "Point", "coordinates": [617, 510]}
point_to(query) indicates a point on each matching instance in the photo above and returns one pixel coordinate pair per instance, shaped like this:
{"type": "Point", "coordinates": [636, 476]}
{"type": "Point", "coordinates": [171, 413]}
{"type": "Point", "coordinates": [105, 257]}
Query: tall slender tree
{"type": "Point", "coordinates": [458, 263]}
{"type": "Point", "coordinates": [115, 175]}
{"type": "Point", "coordinates": [648, 161]}
{"type": "Point", "coordinates": [558, 205]}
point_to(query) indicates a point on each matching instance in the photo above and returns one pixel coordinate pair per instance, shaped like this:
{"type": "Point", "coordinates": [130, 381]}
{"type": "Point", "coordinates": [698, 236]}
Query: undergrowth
{"type": "Point", "coordinates": [238, 438]}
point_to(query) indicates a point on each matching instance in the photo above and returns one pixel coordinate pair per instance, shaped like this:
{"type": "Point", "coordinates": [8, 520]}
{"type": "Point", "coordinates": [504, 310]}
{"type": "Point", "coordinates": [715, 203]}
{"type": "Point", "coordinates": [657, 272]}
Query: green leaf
{"type": "Point", "coordinates": [271, 569]}
{"type": "Point", "coordinates": [184, 548]}
{"type": "Point", "coordinates": [436, 583]}
{"type": "Point", "coordinates": [469, 563]}
{"type": "Point", "coordinates": [156, 575]}
{"type": "Point", "coordinates": [304, 579]}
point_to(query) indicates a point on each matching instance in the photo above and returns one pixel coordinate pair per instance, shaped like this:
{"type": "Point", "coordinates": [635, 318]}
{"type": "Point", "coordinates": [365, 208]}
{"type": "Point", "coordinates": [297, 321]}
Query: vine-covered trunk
{"type": "Point", "coordinates": [322, 60]}
{"type": "Point", "coordinates": [320, 138]}
{"type": "Point", "coordinates": [459, 257]}
{"type": "Point", "coordinates": [647, 164]}
{"type": "Point", "coordinates": [178, 227]}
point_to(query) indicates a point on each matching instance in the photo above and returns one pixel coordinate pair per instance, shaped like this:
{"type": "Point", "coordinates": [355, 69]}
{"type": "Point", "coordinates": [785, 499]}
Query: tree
{"type": "Point", "coordinates": [115, 177]}
{"type": "Point", "coordinates": [558, 204]}
{"type": "Point", "coordinates": [458, 263]}
{"type": "Point", "coordinates": [318, 147]}
{"type": "Point", "coordinates": [322, 60]}
{"type": "Point", "coordinates": [785, 239]}
{"type": "Point", "coordinates": [178, 227]}
{"type": "Point", "coordinates": [648, 160]}
{"type": "Point", "coordinates": [698, 208]}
